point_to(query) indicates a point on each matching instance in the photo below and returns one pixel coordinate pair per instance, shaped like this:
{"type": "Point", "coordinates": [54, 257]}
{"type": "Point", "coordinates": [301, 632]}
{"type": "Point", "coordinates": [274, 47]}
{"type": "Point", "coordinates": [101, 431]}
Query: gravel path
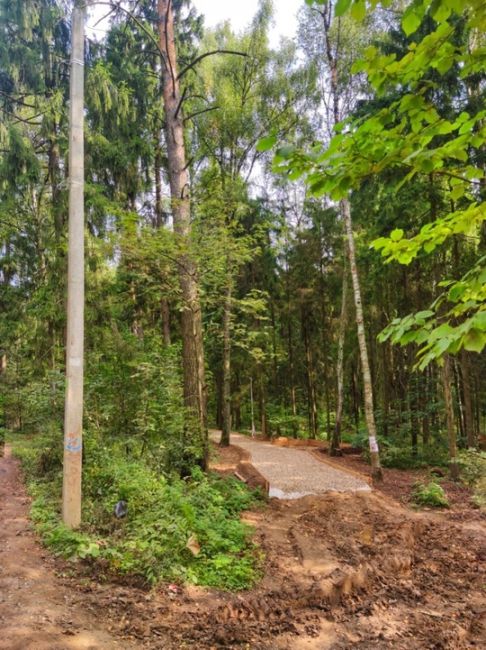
{"type": "Point", "coordinates": [293, 473]}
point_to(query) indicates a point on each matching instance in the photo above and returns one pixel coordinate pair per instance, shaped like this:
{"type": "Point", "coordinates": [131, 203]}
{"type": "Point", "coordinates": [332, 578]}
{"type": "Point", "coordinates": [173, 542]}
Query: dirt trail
{"type": "Point", "coordinates": [294, 473]}
{"type": "Point", "coordinates": [37, 612]}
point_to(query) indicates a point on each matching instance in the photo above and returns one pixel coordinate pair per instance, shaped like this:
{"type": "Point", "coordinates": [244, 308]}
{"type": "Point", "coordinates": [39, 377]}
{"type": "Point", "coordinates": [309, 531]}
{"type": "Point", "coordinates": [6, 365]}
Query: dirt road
{"type": "Point", "coordinates": [36, 611]}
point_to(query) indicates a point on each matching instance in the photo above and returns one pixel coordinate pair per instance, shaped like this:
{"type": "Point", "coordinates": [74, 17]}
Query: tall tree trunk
{"type": "Point", "coordinates": [159, 214]}
{"type": "Point", "coordinates": [293, 398]}
{"type": "Point", "coordinates": [335, 446]}
{"type": "Point", "coordinates": [424, 406]}
{"type": "Point", "coordinates": [73, 415]}
{"type": "Point", "coordinates": [460, 404]}
{"type": "Point", "coordinates": [311, 389]}
{"type": "Point", "coordinates": [413, 408]}
{"type": "Point", "coordinates": [327, 14]}
{"type": "Point", "coordinates": [191, 319]}
{"type": "Point", "coordinates": [449, 413]}
{"type": "Point", "coordinates": [226, 428]}
{"type": "Point", "coordinates": [158, 222]}
{"type": "Point", "coordinates": [274, 350]}
{"type": "Point", "coordinates": [356, 397]}
{"type": "Point", "coordinates": [290, 346]}
{"type": "Point", "coordinates": [468, 406]}
{"type": "Point", "coordinates": [262, 403]}
{"type": "Point", "coordinates": [363, 350]}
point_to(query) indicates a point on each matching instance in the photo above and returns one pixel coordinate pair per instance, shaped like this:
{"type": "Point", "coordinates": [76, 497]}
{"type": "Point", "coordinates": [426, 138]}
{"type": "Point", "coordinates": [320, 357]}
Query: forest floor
{"type": "Point", "coordinates": [341, 570]}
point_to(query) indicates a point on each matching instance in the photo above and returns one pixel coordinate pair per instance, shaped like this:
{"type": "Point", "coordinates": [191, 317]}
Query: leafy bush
{"type": "Point", "coordinates": [403, 457]}
{"type": "Point", "coordinates": [284, 423]}
{"type": "Point", "coordinates": [175, 529]}
{"type": "Point", "coordinates": [430, 494]}
{"type": "Point", "coordinates": [479, 496]}
{"type": "Point", "coordinates": [472, 464]}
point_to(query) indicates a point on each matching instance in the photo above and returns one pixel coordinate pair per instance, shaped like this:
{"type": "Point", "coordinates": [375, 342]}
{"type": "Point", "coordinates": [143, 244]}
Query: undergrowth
{"type": "Point", "coordinates": [430, 494]}
{"type": "Point", "coordinates": [472, 465]}
{"type": "Point", "coordinates": [183, 530]}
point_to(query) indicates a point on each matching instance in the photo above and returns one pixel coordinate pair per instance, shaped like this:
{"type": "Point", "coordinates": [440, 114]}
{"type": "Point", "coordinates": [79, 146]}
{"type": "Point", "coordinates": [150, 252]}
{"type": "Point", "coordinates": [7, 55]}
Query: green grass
{"type": "Point", "coordinates": [163, 514]}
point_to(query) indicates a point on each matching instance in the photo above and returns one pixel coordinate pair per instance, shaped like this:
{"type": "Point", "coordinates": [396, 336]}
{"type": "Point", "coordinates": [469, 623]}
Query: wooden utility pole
{"type": "Point", "coordinates": [73, 414]}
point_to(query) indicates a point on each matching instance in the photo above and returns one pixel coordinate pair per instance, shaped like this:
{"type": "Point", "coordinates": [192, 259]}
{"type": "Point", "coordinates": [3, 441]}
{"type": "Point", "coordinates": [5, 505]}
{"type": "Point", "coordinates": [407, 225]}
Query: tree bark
{"type": "Point", "coordinates": [226, 428]}
{"type": "Point", "coordinates": [424, 406]}
{"type": "Point", "coordinates": [191, 319]}
{"type": "Point", "coordinates": [363, 350]}
{"type": "Point", "coordinates": [73, 416]}
{"type": "Point", "coordinates": [159, 214]}
{"type": "Point", "coordinates": [468, 406]}
{"type": "Point", "coordinates": [449, 413]}
{"type": "Point", "coordinates": [293, 398]}
{"type": "Point", "coordinates": [335, 447]}
{"type": "Point", "coordinates": [311, 389]}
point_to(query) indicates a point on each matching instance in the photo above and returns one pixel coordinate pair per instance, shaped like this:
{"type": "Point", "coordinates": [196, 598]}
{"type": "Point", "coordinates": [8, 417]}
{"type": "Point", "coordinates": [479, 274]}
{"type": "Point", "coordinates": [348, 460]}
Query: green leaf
{"type": "Point", "coordinates": [264, 144]}
{"type": "Point", "coordinates": [397, 234]}
{"type": "Point", "coordinates": [422, 315]}
{"type": "Point", "coordinates": [442, 12]}
{"type": "Point", "coordinates": [358, 10]}
{"type": "Point", "coordinates": [474, 341]}
{"type": "Point", "coordinates": [341, 7]}
{"type": "Point", "coordinates": [411, 21]}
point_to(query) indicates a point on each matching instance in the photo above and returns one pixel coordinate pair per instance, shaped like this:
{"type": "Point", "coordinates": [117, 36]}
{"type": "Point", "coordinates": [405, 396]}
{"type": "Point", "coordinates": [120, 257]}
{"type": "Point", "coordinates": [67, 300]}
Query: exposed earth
{"type": "Point", "coordinates": [341, 570]}
{"type": "Point", "coordinates": [37, 611]}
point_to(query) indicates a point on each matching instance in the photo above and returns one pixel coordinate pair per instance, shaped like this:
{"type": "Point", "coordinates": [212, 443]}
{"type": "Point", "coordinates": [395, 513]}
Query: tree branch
{"type": "Point", "coordinates": [204, 110]}
{"type": "Point", "coordinates": [203, 56]}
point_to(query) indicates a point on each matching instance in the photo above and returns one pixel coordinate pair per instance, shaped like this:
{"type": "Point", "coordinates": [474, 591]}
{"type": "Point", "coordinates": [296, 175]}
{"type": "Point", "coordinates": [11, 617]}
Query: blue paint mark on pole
{"type": "Point", "coordinates": [73, 443]}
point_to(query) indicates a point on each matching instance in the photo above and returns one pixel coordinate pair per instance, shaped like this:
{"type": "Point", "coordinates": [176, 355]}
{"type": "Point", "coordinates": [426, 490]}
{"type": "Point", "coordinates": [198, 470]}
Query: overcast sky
{"type": "Point", "coordinates": [239, 12]}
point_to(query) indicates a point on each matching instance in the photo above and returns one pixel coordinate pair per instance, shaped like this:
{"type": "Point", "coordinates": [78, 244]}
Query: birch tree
{"type": "Point", "coordinates": [339, 99]}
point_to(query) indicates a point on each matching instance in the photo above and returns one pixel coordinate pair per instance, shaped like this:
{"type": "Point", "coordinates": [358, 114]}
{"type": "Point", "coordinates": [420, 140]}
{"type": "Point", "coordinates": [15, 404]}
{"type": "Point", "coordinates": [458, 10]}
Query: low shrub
{"type": "Point", "coordinates": [175, 529]}
{"type": "Point", "coordinates": [404, 458]}
{"type": "Point", "coordinates": [479, 496]}
{"type": "Point", "coordinates": [430, 494]}
{"type": "Point", "coordinates": [472, 466]}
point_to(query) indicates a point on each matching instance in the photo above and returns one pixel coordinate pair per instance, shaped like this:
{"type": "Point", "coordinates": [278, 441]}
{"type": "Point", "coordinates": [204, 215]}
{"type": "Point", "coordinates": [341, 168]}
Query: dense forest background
{"type": "Point", "coordinates": [269, 257]}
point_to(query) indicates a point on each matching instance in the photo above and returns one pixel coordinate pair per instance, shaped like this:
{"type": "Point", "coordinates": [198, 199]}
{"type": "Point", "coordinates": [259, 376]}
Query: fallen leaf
{"type": "Point", "coordinates": [193, 545]}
